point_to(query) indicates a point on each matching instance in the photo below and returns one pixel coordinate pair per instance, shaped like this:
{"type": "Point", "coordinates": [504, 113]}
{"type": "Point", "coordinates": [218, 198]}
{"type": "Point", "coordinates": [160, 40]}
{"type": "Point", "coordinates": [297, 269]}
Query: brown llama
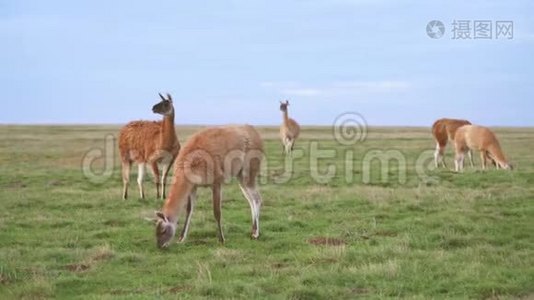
{"type": "Point", "coordinates": [443, 131]}
{"type": "Point", "coordinates": [472, 137]}
{"type": "Point", "coordinates": [289, 130]}
{"type": "Point", "coordinates": [211, 157]}
{"type": "Point", "coordinates": [152, 143]}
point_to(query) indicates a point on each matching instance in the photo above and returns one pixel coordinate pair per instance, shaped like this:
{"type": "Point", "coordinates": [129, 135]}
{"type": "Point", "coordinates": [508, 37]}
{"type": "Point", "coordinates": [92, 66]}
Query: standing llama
{"type": "Point", "coordinates": [443, 131]}
{"type": "Point", "coordinates": [210, 158]}
{"type": "Point", "coordinates": [152, 143]}
{"type": "Point", "coordinates": [472, 137]}
{"type": "Point", "coordinates": [289, 130]}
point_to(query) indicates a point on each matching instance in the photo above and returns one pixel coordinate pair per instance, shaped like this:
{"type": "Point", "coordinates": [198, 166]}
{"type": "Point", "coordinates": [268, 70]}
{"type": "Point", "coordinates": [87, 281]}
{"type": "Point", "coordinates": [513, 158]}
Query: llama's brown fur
{"type": "Point", "coordinates": [212, 157]}
{"type": "Point", "coordinates": [473, 137]}
{"type": "Point", "coordinates": [443, 131]}
{"type": "Point", "coordinates": [152, 143]}
{"type": "Point", "coordinates": [289, 130]}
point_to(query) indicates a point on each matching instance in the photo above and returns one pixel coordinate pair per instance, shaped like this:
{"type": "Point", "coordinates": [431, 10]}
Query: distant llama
{"type": "Point", "coordinates": [152, 143]}
{"type": "Point", "coordinates": [443, 131]}
{"type": "Point", "coordinates": [210, 158]}
{"type": "Point", "coordinates": [472, 137]}
{"type": "Point", "coordinates": [289, 130]}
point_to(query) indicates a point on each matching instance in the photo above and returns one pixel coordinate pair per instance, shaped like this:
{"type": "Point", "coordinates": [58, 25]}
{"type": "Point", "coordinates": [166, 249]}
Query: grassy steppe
{"type": "Point", "coordinates": [420, 233]}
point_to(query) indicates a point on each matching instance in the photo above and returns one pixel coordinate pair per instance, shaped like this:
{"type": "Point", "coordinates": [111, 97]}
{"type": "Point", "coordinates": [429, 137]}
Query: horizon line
{"type": "Point", "coordinates": [259, 125]}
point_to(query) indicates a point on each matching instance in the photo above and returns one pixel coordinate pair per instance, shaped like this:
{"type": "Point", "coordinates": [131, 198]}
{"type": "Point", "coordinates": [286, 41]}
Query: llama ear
{"type": "Point", "coordinates": [169, 97]}
{"type": "Point", "coordinates": [161, 96]}
{"type": "Point", "coordinates": [161, 216]}
{"type": "Point", "coordinates": [287, 102]}
{"type": "Point", "coordinates": [151, 220]}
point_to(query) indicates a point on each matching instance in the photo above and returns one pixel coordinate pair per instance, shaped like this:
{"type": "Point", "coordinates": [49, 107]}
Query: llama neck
{"type": "Point", "coordinates": [497, 154]}
{"type": "Point", "coordinates": [178, 196]}
{"type": "Point", "coordinates": [168, 133]}
{"type": "Point", "coordinates": [286, 117]}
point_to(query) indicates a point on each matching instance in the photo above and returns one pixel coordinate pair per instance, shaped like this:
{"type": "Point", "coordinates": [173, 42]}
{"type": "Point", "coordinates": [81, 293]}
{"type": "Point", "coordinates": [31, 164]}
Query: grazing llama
{"type": "Point", "coordinates": [210, 158]}
{"type": "Point", "coordinates": [152, 143]}
{"type": "Point", "coordinates": [289, 130]}
{"type": "Point", "coordinates": [443, 131]}
{"type": "Point", "coordinates": [472, 137]}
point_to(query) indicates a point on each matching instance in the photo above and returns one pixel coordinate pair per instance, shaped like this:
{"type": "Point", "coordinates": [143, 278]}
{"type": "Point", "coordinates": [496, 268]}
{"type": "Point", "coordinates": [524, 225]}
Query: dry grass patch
{"type": "Point", "coordinates": [224, 254]}
{"type": "Point", "coordinates": [389, 268]}
{"type": "Point", "coordinates": [96, 255]}
{"type": "Point", "coordinates": [180, 289]}
{"type": "Point", "coordinates": [326, 241]}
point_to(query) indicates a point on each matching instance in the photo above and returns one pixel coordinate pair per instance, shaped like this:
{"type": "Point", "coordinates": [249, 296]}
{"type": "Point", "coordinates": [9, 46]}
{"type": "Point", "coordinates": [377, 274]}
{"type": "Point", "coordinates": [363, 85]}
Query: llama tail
{"type": "Point", "coordinates": [437, 126]}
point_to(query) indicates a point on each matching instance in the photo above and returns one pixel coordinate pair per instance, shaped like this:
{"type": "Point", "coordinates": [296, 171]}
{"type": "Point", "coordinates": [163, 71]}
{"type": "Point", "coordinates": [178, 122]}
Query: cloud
{"type": "Point", "coordinates": [373, 86]}
{"type": "Point", "coordinates": [338, 88]}
{"type": "Point", "coordinates": [305, 92]}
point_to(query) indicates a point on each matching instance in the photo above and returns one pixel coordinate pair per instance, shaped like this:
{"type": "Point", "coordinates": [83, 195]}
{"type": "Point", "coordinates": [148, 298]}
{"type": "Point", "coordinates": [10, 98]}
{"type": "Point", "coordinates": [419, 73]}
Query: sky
{"type": "Point", "coordinates": [233, 61]}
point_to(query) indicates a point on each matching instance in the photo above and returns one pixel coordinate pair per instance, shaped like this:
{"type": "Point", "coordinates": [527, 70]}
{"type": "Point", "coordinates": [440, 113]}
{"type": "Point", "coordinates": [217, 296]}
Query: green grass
{"type": "Point", "coordinates": [435, 235]}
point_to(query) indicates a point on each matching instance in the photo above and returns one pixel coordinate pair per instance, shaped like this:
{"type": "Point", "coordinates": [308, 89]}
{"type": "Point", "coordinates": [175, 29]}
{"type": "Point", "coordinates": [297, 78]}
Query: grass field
{"type": "Point", "coordinates": [408, 231]}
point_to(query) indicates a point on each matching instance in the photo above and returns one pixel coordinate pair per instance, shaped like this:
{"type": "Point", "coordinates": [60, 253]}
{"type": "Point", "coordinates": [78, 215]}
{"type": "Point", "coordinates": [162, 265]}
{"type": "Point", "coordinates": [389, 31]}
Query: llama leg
{"type": "Point", "coordinates": [483, 159]}
{"type": "Point", "coordinates": [166, 166]}
{"type": "Point", "coordinates": [255, 201]}
{"type": "Point", "coordinates": [189, 212]}
{"type": "Point", "coordinates": [442, 156]}
{"type": "Point", "coordinates": [255, 204]}
{"type": "Point", "coordinates": [125, 178]}
{"type": "Point", "coordinates": [258, 201]}
{"type": "Point", "coordinates": [459, 161]}
{"type": "Point", "coordinates": [492, 161]}
{"type": "Point", "coordinates": [140, 175]}
{"type": "Point", "coordinates": [470, 155]}
{"type": "Point", "coordinates": [288, 146]}
{"type": "Point", "coordinates": [217, 198]}
{"type": "Point", "coordinates": [155, 173]}
{"type": "Point", "coordinates": [291, 145]}
{"type": "Point", "coordinates": [436, 156]}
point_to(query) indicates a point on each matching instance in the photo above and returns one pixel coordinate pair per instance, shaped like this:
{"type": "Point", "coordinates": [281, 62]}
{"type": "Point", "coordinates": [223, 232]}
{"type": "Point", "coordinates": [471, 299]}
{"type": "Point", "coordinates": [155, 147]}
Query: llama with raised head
{"type": "Point", "coordinates": [289, 130]}
{"type": "Point", "coordinates": [152, 143]}
{"type": "Point", "coordinates": [210, 158]}
{"type": "Point", "coordinates": [443, 131]}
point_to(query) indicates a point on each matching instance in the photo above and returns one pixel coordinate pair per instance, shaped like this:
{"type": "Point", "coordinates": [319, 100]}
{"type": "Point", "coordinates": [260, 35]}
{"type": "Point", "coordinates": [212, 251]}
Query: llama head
{"type": "Point", "coordinates": [164, 107]}
{"type": "Point", "coordinates": [165, 230]}
{"type": "Point", "coordinates": [507, 166]}
{"type": "Point", "coordinates": [284, 105]}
